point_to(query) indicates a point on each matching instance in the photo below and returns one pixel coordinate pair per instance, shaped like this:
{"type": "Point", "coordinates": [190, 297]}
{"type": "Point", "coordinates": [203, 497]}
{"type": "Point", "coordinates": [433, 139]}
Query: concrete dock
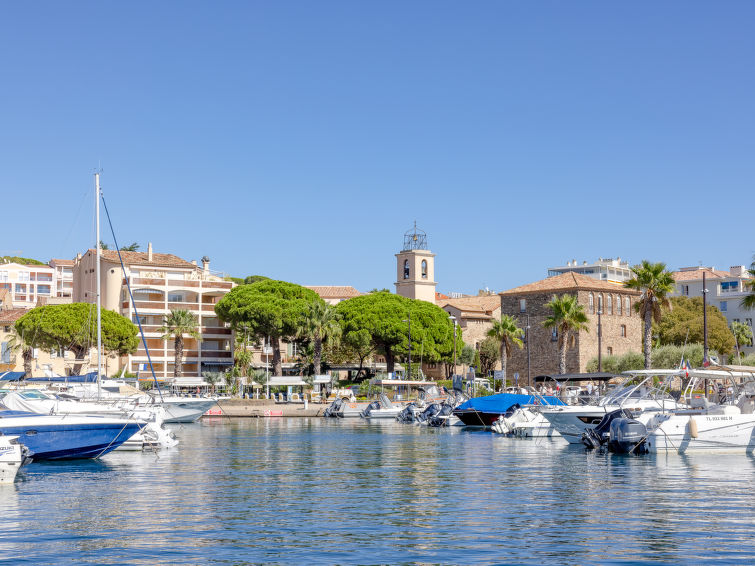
{"type": "Point", "coordinates": [264, 408]}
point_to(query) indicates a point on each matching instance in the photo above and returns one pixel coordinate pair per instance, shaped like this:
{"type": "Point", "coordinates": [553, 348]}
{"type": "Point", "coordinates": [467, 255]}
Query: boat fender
{"type": "Point", "coordinates": [692, 427]}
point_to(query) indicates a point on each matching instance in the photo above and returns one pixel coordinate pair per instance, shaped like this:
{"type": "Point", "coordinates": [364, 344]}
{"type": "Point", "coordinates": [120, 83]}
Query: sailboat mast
{"type": "Point", "coordinates": [97, 269]}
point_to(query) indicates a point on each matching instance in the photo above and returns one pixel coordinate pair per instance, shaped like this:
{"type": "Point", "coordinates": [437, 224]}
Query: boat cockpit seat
{"type": "Point", "coordinates": [698, 401]}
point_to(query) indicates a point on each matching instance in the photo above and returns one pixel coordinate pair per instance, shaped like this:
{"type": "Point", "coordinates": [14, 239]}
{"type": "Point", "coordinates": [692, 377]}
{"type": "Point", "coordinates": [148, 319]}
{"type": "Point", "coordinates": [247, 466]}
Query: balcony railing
{"type": "Point", "coordinates": [216, 330]}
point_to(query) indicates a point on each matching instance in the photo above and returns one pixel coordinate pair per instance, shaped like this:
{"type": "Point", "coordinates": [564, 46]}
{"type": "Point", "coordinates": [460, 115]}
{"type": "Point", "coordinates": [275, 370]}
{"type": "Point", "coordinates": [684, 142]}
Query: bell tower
{"type": "Point", "coordinates": [415, 267]}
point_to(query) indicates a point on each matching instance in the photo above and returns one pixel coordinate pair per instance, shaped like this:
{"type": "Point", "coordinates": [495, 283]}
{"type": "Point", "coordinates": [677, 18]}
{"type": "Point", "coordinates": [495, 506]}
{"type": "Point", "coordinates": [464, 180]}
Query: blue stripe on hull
{"type": "Point", "coordinates": [71, 441]}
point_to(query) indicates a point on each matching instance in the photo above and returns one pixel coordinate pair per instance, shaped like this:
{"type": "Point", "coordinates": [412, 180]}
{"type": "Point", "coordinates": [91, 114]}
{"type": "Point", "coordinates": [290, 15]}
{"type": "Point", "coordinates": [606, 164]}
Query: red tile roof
{"type": "Point", "coordinates": [566, 282]}
{"type": "Point", "coordinates": [334, 291]}
{"type": "Point", "coordinates": [482, 305]}
{"type": "Point", "coordinates": [12, 315]}
{"type": "Point", "coordinates": [141, 258]}
{"type": "Point", "coordinates": [62, 261]}
{"type": "Point", "coordinates": [697, 274]}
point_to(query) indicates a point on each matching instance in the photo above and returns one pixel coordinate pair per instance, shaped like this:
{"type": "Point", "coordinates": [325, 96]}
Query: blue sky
{"type": "Point", "coordinates": [300, 140]}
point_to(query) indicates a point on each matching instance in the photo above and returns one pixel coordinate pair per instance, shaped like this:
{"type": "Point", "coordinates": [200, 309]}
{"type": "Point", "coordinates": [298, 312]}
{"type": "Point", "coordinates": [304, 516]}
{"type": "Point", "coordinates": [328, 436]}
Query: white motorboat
{"type": "Point", "coordinates": [635, 394]}
{"type": "Point", "coordinates": [525, 422]}
{"type": "Point", "coordinates": [727, 425]}
{"type": "Point", "coordinates": [381, 409]}
{"type": "Point", "coordinates": [13, 455]}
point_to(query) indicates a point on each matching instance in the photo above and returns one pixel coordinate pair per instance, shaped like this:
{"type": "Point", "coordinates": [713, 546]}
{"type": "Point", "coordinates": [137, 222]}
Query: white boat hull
{"type": "Point", "coordinates": [12, 457]}
{"type": "Point", "coordinates": [684, 433]}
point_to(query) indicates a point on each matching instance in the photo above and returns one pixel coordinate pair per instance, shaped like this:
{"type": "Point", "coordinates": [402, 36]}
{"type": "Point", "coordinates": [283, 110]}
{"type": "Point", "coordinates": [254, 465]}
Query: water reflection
{"type": "Point", "coordinates": [348, 491]}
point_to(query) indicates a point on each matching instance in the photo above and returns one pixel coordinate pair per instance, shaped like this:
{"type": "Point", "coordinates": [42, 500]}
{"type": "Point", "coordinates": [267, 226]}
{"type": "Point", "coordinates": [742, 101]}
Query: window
{"type": "Point", "coordinates": [723, 306]}
{"type": "Point", "coordinates": [3, 275]}
{"type": "Point", "coordinates": [618, 305]}
{"type": "Point", "coordinates": [609, 350]}
{"type": "Point", "coordinates": [554, 335]}
{"type": "Point", "coordinates": [685, 289]}
{"type": "Point", "coordinates": [623, 330]}
{"type": "Point", "coordinates": [43, 289]}
{"type": "Point", "coordinates": [20, 288]}
{"type": "Point", "coordinates": [424, 269]}
{"type": "Point", "coordinates": [729, 286]}
{"type": "Point", "coordinates": [522, 305]}
{"type": "Point", "coordinates": [748, 321]}
{"type": "Point", "coordinates": [175, 298]}
{"type": "Point", "coordinates": [591, 303]}
{"type": "Point", "coordinates": [610, 304]}
{"type": "Point", "coordinates": [600, 303]}
{"type": "Point", "coordinates": [627, 306]}
{"type": "Point", "coordinates": [23, 276]}
{"type": "Point", "coordinates": [406, 269]}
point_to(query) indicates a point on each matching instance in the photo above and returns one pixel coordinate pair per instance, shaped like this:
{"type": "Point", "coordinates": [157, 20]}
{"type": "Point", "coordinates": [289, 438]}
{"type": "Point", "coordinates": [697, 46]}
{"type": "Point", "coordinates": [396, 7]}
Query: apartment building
{"type": "Point", "coordinates": [726, 289]}
{"type": "Point", "coordinates": [27, 283]}
{"type": "Point", "coordinates": [62, 277]}
{"type": "Point", "coordinates": [160, 283]}
{"type": "Point", "coordinates": [605, 269]}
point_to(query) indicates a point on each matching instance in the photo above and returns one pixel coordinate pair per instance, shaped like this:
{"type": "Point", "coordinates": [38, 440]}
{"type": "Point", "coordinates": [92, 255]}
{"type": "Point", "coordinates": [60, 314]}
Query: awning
{"type": "Point", "coordinates": [596, 376]}
{"type": "Point", "coordinates": [90, 377]}
{"type": "Point", "coordinates": [12, 375]}
{"type": "Point", "coordinates": [285, 380]}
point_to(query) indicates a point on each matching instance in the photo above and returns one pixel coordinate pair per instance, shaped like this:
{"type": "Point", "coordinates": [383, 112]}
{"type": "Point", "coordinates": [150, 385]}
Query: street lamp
{"type": "Point", "coordinates": [452, 317]}
{"type": "Point", "coordinates": [409, 320]}
{"type": "Point", "coordinates": [600, 350]}
{"type": "Point", "coordinates": [527, 339]}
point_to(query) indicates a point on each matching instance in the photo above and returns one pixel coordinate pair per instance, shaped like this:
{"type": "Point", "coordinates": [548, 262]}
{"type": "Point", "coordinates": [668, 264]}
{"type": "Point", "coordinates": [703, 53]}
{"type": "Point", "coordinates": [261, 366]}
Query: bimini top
{"type": "Point", "coordinates": [502, 402]}
{"type": "Point", "coordinates": [90, 377]}
{"type": "Point", "coordinates": [11, 375]}
{"type": "Point", "coordinates": [596, 376]}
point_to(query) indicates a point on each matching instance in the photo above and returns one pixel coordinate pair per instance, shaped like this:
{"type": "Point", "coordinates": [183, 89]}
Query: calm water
{"type": "Point", "coordinates": [329, 492]}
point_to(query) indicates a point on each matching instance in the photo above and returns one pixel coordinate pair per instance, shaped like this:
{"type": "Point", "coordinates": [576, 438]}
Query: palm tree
{"type": "Point", "coordinates": [655, 284]}
{"type": "Point", "coordinates": [742, 335]}
{"type": "Point", "coordinates": [211, 377]}
{"type": "Point", "coordinates": [16, 344]}
{"type": "Point", "coordinates": [568, 315]}
{"type": "Point", "coordinates": [508, 334]}
{"type": "Point", "coordinates": [175, 325]}
{"type": "Point", "coordinates": [749, 301]}
{"type": "Point", "coordinates": [320, 323]}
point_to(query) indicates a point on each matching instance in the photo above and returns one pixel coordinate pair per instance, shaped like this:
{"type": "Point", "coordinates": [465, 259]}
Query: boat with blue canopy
{"type": "Point", "coordinates": [484, 411]}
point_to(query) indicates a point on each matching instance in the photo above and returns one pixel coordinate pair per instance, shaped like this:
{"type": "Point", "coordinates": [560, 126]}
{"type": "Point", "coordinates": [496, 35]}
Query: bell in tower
{"type": "Point", "coordinates": [415, 273]}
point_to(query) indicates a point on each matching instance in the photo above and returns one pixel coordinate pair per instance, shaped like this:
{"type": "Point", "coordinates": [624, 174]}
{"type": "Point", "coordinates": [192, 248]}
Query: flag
{"type": "Point", "coordinates": [706, 362]}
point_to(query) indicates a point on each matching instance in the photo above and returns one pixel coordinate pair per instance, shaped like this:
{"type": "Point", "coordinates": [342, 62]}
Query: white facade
{"type": "Point", "coordinates": [27, 283]}
{"type": "Point", "coordinates": [726, 290]}
{"type": "Point", "coordinates": [605, 269]}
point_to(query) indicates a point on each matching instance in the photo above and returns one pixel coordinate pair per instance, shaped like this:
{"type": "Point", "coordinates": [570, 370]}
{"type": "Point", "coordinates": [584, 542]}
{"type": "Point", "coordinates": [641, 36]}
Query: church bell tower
{"type": "Point", "coordinates": [415, 267]}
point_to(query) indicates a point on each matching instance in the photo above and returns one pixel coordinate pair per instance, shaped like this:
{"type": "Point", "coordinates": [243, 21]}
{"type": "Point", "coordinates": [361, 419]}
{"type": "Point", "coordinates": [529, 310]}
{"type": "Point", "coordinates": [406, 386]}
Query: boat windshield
{"type": "Point", "coordinates": [33, 394]}
{"type": "Point", "coordinates": [637, 387]}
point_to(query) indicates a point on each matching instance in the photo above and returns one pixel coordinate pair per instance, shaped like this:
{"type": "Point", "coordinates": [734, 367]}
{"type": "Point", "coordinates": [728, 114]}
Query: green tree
{"type": "Point", "coordinates": [384, 317]}
{"type": "Point", "coordinates": [355, 345]}
{"type": "Point", "coordinates": [104, 246]}
{"type": "Point", "coordinates": [20, 260]}
{"type": "Point", "coordinates": [254, 279]}
{"type": "Point", "coordinates": [742, 335]}
{"type": "Point", "coordinates": [270, 309]}
{"type": "Point", "coordinates": [654, 284]}
{"type": "Point", "coordinates": [467, 355]}
{"type": "Point", "coordinates": [319, 323]}
{"type": "Point", "coordinates": [748, 301]}
{"type": "Point", "coordinates": [176, 325]}
{"type": "Point", "coordinates": [489, 355]}
{"type": "Point", "coordinates": [211, 377]}
{"type": "Point", "coordinates": [74, 327]}
{"type": "Point", "coordinates": [131, 247]}
{"type": "Point", "coordinates": [567, 316]}
{"type": "Point", "coordinates": [684, 324]}
{"type": "Point", "coordinates": [508, 334]}
{"type": "Point", "coordinates": [16, 344]}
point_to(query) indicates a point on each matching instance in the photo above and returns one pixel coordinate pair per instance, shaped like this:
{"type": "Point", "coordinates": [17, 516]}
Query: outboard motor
{"type": "Point", "coordinates": [627, 436]}
{"type": "Point", "coordinates": [334, 410]}
{"type": "Point", "coordinates": [407, 415]}
{"type": "Point", "coordinates": [441, 417]}
{"type": "Point", "coordinates": [370, 407]}
{"type": "Point", "coordinates": [599, 435]}
{"type": "Point", "coordinates": [428, 413]}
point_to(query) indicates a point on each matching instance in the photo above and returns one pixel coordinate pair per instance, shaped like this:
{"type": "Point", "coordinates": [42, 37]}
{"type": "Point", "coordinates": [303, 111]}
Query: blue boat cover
{"type": "Point", "coordinates": [90, 377]}
{"type": "Point", "coordinates": [12, 375]}
{"type": "Point", "coordinates": [502, 402]}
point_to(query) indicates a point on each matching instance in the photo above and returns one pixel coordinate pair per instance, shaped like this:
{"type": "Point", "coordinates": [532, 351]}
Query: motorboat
{"type": "Point", "coordinates": [381, 409]}
{"type": "Point", "coordinates": [153, 434]}
{"type": "Point", "coordinates": [525, 422]}
{"type": "Point", "coordinates": [726, 424]}
{"type": "Point", "coordinates": [54, 437]}
{"type": "Point", "coordinates": [484, 411]}
{"type": "Point", "coordinates": [636, 393]}
{"type": "Point", "coordinates": [13, 455]}
{"type": "Point", "coordinates": [345, 408]}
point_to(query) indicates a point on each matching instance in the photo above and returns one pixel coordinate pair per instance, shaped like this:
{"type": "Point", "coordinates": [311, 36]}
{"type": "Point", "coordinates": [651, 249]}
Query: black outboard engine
{"type": "Point", "coordinates": [627, 436]}
{"type": "Point", "coordinates": [598, 436]}
{"type": "Point", "coordinates": [428, 413]}
{"type": "Point", "coordinates": [441, 418]}
{"type": "Point", "coordinates": [407, 414]}
{"type": "Point", "coordinates": [372, 406]}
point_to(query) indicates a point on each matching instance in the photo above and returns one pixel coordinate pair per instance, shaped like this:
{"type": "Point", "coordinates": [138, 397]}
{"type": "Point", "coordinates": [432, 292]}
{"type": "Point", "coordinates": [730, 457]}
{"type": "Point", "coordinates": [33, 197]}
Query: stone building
{"type": "Point", "coordinates": [474, 316]}
{"type": "Point", "coordinates": [621, 325]}
{"type": "Point", "coordinates": [415, 268]}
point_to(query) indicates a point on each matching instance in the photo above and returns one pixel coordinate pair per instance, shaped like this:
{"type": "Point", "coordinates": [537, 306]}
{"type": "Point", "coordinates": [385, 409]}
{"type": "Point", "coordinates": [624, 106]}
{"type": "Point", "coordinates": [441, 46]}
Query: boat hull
{"type": "Point", "coordinates": [50, 437]}
{"type": "Point", "coordinates": [702, 433]}
{"type": "Point", "coordinates": [473, 417]}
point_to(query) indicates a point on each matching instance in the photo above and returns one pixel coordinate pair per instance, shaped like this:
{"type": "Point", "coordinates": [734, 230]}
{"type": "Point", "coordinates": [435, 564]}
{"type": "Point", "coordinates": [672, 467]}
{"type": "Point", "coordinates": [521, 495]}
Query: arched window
{"type": "Point", "coordinates": [618, 305]}
{"type": "Point", "coordinates": [406, 269]}
{"type": "Point", "coordinates": [591, 300]}
{"type": "Point", "coordinates": [600, 303]}
{"type": "Point", "coordinates": [627, 306]}
{"type": "Point", "coordinates": [424, 269]}
{"type": "Point", "coordinates": [610, 304]}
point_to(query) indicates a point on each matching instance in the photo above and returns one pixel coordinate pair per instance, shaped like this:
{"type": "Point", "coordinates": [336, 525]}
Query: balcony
{"type": "Point", "coordinates": [216, 330]}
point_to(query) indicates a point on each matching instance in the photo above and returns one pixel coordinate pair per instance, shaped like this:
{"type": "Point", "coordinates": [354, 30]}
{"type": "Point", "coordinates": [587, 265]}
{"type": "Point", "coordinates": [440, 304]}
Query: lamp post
{"type": "Point", "coordinates": [452, 317]}
{"type": "Point", "coordinates": [527, 339]}
{"type": "Point", "coordinates": [705, 323]}
{"type": "Point", "coordinates": [600, 349]}
{"type": "Point", "coordinates": [409, 320]}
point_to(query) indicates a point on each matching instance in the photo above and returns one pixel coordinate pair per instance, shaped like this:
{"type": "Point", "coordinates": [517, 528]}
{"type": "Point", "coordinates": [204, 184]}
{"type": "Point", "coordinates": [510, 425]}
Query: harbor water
{"type": "Point", "coordinates": [319, 491]}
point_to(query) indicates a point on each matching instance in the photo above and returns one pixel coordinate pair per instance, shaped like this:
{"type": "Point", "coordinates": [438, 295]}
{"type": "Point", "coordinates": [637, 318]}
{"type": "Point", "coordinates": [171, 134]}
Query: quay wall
{"type": "Point", "coordinates": [264, 408]}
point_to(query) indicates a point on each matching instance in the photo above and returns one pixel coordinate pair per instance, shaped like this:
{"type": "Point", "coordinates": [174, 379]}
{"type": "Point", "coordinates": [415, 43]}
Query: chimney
{"type": "Point", "coordinates": [737, 270]}
{"type": "Point", "coordinates": [149, 251]}
{"type": "Point", "coordinates": [193, 262]}
{"type": "Point", "coordinates": [206, 265]}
